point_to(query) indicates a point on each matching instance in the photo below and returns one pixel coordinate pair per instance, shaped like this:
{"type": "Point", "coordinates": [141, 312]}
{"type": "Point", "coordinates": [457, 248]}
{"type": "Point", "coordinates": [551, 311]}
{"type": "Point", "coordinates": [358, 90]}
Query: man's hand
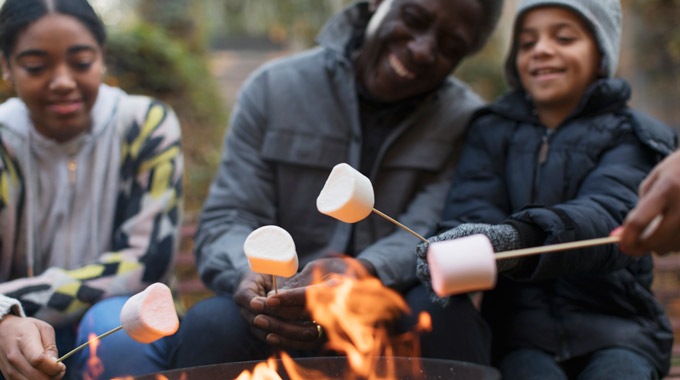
{"type": "Point", "coordinates": [659, 196]}
{"type": "Point", "coordinates": [28, 350]}
{"type": "Point", "coordinates": [283, 320]}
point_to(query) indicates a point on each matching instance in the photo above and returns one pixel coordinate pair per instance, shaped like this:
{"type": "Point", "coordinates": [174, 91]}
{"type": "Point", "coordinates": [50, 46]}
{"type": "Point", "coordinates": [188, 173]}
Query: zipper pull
{"type": "Point", "coordinates": [543, 153]}
{"type": "Point", "coordinates": [72, 170]}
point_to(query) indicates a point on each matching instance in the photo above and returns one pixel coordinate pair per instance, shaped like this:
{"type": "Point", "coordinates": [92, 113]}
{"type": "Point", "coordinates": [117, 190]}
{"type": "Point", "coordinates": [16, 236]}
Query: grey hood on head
{"type": "Point", "coordinates": [602, 16]}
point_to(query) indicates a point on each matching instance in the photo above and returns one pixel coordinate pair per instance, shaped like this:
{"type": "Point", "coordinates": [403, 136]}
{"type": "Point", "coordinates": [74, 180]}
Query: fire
{"type": "Point", "coordinates": [94, 367]}
{"type": "Point", "coordinates": [158, 377]}
{"type": "Point", "coordinates": [262, 371]}
{"type": "Point", "coordinates": [355, 310]}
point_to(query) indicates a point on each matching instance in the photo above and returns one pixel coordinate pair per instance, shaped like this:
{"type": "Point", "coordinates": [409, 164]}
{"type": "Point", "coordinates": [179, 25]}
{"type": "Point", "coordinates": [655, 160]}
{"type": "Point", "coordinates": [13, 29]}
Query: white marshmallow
{"type": "Point", "coordinates": [462, 265]}
{"type": "Point", "coordinates": [347, 195]}
{"type": "Point", "coordinates": [271, 250]}
{"type": "Point", "coordinates": [150, 315]}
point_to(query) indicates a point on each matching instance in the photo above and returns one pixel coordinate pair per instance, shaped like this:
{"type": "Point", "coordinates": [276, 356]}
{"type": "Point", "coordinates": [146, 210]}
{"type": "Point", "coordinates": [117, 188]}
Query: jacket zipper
{"type": "Point", "coordinates": [545, 145]}
{"type": "Point", "coordinates": [563, 350]}
{"type": "Point", "coordinates": [72, 166]}
{"type": "Point", "coordinates": [542, 158]}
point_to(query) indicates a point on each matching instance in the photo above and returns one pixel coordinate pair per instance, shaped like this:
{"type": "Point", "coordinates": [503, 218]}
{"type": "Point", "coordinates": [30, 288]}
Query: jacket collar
{"type": "Point", "coordinates": [341, 30]}
{"type": "Point", "coordinates": [603, 95]}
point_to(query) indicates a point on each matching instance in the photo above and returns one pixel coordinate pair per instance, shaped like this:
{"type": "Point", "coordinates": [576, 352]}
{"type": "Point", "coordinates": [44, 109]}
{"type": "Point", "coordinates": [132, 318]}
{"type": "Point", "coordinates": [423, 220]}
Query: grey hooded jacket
{"type": "Point", "coordinates": [295, 119]}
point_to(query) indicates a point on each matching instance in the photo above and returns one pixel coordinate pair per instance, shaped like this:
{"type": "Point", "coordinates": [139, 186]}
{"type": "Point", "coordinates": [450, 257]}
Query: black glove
{"type": "Point", "coordinates": [503, 237]}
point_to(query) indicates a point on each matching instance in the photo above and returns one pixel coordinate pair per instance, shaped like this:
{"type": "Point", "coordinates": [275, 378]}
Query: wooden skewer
{"type": "Point", "coordinates": [276, 288]}
{"type": "Point", "coordinates": [87, 343]}
{"type": "Point", "coordinates": [400, 225]}
{"type": "Point", "coordinates": [556, 247]}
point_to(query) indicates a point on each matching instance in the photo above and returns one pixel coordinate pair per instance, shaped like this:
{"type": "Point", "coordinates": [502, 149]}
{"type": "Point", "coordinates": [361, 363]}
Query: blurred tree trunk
{"type": "Point", "coordinates": [655, 56]}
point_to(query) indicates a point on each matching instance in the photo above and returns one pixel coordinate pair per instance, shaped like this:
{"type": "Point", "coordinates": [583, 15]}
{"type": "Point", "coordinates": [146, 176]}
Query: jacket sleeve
{"type": "Point", "coordinates": [241, 197]}
{"type": "Point", "coordinates": [10, 195]}
{"type": "Point", "coordinates": [604, 198]}
{"type": "Point", "coordinates": [145, 237]}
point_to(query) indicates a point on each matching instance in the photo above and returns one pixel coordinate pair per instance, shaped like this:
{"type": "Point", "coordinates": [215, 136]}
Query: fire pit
{"type": "Point", "coordinates": [336, 368]}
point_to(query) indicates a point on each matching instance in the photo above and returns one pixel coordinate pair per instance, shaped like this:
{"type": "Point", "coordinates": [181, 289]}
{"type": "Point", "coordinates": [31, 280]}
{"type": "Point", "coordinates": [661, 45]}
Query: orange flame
{"type": "Point", "coordinates": [262, 371]}
{"type": "Point", "coordinates": [161, 377]}
{"type": "Point", "coordinates": [355, 310]}
{"type": "Point", "coordinates": [94, 367]}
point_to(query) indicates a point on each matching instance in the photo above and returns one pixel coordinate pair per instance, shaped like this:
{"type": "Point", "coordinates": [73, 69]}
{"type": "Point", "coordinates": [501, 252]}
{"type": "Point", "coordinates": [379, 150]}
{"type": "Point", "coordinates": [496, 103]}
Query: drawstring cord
{"type": "Point", "coordinates": [30, 254]}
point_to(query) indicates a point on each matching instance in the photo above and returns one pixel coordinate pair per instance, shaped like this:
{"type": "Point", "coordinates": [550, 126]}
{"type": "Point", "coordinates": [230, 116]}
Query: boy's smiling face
{"type": "Point", "coordinates": [557, 58]}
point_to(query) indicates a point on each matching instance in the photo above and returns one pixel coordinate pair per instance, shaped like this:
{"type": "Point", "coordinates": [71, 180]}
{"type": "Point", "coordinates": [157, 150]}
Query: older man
{"type": "Point", "coordinates": [377, 94]}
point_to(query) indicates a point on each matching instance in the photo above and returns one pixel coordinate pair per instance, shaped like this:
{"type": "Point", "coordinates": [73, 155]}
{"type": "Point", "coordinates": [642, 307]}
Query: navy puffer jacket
{"type": "Point", "coordinates": [576, 182]}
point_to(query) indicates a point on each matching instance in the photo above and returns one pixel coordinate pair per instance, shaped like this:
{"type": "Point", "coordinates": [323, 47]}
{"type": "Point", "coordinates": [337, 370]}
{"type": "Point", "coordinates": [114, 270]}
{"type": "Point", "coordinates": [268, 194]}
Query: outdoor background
{"type": "Point", "coordinates": [195, 54]}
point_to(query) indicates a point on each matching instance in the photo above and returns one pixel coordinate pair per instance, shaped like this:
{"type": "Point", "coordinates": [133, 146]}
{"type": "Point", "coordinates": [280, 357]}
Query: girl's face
{"type": "Point", "coordinates": [557, 58]}
{"type": "Point", "coordinates": [56, 68]}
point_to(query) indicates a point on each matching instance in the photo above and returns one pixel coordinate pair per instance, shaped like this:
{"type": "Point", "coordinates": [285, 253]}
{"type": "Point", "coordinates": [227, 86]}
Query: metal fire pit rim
{"type": "Point", "coordinates": [212, 371]}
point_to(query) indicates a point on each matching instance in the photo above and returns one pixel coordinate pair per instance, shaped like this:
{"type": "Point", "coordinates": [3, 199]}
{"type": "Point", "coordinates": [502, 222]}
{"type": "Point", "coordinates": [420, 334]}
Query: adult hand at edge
{"type": "Point", "coordinates": [659, 196]}
{"type": "Point", "coordinates": [28, 350]}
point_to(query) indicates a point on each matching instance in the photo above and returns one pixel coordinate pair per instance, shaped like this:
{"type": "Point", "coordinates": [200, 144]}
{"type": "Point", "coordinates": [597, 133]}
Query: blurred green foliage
{"type": "Point", "coordinates": [179, 19]}
{"type": "Point", "coordinates": [284, 21]}
{"type": "Point", "coordinates": [146, 60]}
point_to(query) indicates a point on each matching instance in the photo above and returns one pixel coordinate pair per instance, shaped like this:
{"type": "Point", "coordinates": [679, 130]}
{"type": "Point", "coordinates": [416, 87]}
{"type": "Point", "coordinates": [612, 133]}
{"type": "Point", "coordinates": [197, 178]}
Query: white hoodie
{"type": "Point", "coordinates": [94, 217]}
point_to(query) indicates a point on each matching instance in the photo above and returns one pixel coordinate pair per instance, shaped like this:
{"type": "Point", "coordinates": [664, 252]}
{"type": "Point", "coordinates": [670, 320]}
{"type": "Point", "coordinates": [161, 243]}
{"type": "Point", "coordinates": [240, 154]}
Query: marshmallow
{"type": "Point", "coordinates": [347, 195]}
{"type": "Point", "coordinates": [150, 315]}
{"type": "Point", "coordinates": [462, 265]}
{"type": "Point", "coordinates": [271, 250]}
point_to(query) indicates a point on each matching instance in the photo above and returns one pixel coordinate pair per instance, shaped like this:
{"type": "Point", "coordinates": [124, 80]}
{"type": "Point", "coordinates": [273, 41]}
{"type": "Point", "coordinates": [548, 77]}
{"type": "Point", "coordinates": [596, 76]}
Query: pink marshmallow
{"type": "Point", "coordinates": [462, 265]}
{"type": "Point", "coordinates": [150, 315]}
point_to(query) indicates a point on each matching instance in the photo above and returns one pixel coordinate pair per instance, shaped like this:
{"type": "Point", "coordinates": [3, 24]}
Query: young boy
{"type": "Point", "coordinates": [559, 158]}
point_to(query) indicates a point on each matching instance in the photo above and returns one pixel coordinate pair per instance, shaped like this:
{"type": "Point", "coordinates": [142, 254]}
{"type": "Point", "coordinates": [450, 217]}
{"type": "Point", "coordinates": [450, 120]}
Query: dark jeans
{"type": "Point", "coordinates": [213, 331]}
{"type": "Point", "coordinates": [611, 363]}
{"type": "Point", "coordinates": [119, 354]}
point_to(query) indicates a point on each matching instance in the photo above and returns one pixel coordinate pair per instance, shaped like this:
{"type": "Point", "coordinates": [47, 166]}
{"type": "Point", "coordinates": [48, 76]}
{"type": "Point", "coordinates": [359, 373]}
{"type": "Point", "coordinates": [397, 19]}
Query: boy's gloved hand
{"type": "Point", "coordinates": [503, 237]}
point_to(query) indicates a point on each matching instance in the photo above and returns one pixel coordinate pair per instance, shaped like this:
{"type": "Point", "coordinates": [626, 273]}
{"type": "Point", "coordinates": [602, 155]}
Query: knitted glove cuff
{"type": "Point", "coordinates": [530, 235]}
{"type": "Point", "coordinates": [503, 237]}
{"type": "Point", "coordinates": [10, 306]}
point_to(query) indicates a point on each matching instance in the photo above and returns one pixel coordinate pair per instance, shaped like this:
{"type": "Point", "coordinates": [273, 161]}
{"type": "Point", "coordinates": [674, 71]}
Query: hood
{"type": "Point", "coordinates": [602, 95]}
